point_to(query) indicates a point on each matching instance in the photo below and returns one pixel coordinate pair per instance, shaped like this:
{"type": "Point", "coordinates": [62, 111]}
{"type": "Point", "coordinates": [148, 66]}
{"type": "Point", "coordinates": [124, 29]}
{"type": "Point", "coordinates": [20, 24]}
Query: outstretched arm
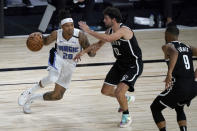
{"type": "Point", "coordinates": [84, 42]}
{"type": "Point", "coordinates": [92, 48]}
{"type": "Point", "coordinates": [170, 51]}
{"type": "Point", "coordinates": [46, 39]}
{"type": "Point", "coordinates": [104, 37]}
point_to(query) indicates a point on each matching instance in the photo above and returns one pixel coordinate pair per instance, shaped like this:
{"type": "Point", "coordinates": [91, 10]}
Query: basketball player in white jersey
{"type": "Point", "coordinates": [69, 41]}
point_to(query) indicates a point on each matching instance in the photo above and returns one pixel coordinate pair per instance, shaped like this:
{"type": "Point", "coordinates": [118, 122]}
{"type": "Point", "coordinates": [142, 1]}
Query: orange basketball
{"type": "Point", "coordinates": [34, 43]}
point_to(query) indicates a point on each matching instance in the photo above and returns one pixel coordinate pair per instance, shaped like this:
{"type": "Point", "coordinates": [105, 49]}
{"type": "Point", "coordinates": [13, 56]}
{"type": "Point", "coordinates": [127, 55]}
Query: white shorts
{"type": "Point", "coordinates": [61, 71]}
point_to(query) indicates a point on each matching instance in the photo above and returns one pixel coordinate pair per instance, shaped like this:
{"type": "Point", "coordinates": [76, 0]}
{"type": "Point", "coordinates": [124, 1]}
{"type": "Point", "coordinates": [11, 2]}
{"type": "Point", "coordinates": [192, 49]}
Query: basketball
{"type": "Point", "coordinates": [34, 43]}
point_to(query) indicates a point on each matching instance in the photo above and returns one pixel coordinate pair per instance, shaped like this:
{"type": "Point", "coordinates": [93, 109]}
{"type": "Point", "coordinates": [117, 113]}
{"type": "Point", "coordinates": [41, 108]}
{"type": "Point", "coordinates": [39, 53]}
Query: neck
{"type": "Point", "coordinates": [174, 40]}
{"type": "Point", "coordinates": [66, 35]}
{"type": "Point", "coordinates": [115, 26]}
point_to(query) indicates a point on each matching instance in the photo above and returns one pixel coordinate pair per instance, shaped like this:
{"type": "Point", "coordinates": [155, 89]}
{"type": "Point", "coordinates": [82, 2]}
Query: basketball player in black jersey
{"type": "Point", "coordinates": [181, 85]}
{"type": "Point", "coordinates": [128, 66]}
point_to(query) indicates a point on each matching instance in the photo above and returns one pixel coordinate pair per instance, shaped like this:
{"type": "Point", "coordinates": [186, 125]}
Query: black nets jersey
{"type": "Point", "coordinates": [184, 65]}
{"type": "Point", "coordinates": [126, 51]}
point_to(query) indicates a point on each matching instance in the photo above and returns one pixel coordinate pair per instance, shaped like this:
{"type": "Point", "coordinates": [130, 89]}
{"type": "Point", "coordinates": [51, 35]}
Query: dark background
{"type": "Point", "coordinates": [21, 20]}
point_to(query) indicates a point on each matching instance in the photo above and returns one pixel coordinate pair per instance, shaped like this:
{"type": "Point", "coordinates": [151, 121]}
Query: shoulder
{"type": "Point", "coordinates": [76, 32]}
{"type": "Point", "coordinates": [126, 32]}
{"type": "Point", "coordinates": [168, 45]}
{"type": "Point", "coordinates": [125, 29]}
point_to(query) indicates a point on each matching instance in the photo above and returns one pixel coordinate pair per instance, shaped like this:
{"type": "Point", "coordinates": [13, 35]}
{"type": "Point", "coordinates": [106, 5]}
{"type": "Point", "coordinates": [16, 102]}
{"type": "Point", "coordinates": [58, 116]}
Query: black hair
{"type": "Point", "coordinates": [173, 30]}
{"type": "Point", "coordinates": [62, 14]}
{"type": "Point", "coordinates": [113, 12]}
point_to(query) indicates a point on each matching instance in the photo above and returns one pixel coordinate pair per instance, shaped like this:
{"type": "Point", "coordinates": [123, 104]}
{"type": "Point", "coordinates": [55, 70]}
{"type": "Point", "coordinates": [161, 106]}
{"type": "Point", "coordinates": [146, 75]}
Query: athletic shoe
{"type": "Point", "coordinates": [126, 121]}
{"type": "Point", "coordinates": [24, 97]}
{"type": "Point", "coordinates": [26, 107]}
{"type": "Point", "coordinates": [129, 99]}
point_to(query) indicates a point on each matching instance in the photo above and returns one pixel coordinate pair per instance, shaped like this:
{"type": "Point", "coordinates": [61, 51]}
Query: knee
{"type": "Point", "coordinates": [105, 91]}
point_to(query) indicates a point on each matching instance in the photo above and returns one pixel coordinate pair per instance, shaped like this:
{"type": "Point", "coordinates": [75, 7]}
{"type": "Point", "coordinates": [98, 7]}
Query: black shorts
{"type": "Point", "coordinates": [182, 92]}
{"type": "Point", "coordinates": [125, 73]}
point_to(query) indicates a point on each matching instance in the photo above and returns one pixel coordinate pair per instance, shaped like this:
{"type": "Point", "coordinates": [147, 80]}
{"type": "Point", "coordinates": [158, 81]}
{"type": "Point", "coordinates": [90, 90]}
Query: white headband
{"type": "Point", "coordinates": [67, 20]}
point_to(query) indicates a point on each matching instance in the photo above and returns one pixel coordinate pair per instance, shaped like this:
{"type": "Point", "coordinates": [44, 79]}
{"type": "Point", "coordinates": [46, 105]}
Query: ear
{"type": "Point", "coordinates": [114, 20]}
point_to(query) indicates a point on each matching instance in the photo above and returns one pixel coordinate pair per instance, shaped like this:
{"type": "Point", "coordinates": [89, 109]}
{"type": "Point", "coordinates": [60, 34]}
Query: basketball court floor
{"type": "Point", "coordinates": [83, 107]}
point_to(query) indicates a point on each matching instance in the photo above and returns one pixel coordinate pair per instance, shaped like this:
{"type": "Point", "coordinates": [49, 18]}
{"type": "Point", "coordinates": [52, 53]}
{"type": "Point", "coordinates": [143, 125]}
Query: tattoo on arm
{"type": "Point", "coordinates": [50, 38]}
{"type": "Point", "coordinates": [84, 42]}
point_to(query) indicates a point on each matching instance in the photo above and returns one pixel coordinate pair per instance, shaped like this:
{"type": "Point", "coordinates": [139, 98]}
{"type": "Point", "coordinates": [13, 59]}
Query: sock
{"type": "Point", "coordinates": [183, 128]}
{"type": "Point", "coordinates": [162, 129]}
{"type": "Point", "coordinates": [126, 112]}
{"type": "Point", "coordinates": [35, 87]}
{"type": "Point", "coordinates": [37, 97]}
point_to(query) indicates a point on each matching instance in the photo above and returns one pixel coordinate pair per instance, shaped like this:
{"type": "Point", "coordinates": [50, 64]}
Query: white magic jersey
{"type": "Point", "coordinates": [68, 49]}
{"type": "Point", "coordinates": [64, 65]}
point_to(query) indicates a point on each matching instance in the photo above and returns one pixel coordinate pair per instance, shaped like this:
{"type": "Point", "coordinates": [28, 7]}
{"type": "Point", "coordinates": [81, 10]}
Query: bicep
{"type": "Point", "coordinates": [171, 50]}
{"type": "Point", "coordinates": [164, 49]}
{"type": "Point", "coordinates": [83, 40]}
{"type": "Point", "coordinates": [115, 36]}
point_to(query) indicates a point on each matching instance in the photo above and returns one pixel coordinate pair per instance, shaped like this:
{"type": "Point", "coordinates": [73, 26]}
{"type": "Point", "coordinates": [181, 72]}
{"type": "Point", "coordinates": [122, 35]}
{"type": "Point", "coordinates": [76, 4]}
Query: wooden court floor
{"type": "Point", "coordinates": [83, 107]}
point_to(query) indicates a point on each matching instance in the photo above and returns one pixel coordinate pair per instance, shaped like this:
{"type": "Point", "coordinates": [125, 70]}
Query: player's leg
{"type": "Point", "coordinates": [54, 95]}
{"type": "Point", "coordinates": [127, 83]}
{"type": "Point", "coordinates": [120, 92]}
{"type": "Point", "coordinates": [111, 81]}
{"type": "Point", "coordinates": [57, 94]}
{"type": "Point", "coordinates": [25, 96]}
{"type": "Point", "coordinates": [156, 108]}
{"type": "Point", "coordinates": [108, 90]}
{"type": "Point", "coordinates": [181, 118]}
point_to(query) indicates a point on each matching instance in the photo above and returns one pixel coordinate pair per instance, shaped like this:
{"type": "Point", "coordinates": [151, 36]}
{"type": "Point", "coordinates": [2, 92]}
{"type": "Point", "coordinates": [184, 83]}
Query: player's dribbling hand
{"type": "Point", "coordinates": [168, 81]}
{"type": "Point", "coordinates": [83, 26]}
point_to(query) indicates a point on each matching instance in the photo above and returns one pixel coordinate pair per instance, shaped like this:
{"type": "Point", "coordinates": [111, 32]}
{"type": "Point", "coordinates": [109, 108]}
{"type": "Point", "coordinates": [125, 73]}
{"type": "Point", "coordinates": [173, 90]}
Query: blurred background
{"type": "Point", "coordinates": [22, 17]}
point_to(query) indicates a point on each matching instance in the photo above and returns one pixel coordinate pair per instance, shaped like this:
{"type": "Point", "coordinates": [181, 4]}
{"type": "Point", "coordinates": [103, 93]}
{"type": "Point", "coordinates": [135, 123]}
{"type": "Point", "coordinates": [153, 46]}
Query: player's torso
{"type": "Point", "coordinates": [184, 64]}
{"type": "Point", "coordinates": [67, 49]}
{"type": "Point", "coordinates": [126, 50]}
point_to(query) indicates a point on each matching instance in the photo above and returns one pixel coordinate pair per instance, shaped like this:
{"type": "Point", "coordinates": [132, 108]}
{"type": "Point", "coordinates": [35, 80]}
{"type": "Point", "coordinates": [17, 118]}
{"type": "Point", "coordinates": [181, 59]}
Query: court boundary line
{"type": "Point", "coordinates": [31, 83]}
{"type": "Point", "coordinates": [78, 65]}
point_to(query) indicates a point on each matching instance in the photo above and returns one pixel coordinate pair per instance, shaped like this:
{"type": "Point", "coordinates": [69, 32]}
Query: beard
{"type": "Point", "coordinates": [108, 25]}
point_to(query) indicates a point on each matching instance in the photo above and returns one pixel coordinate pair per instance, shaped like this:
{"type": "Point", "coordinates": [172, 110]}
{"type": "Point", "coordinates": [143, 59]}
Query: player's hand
{"type": "Point", "coordinates": [36, 34]}
{"type": "Point", "coordinates": [84, 26]}
{"type": "Point", "coordinates": [77, 58]}
{"type": "Point", "coordinates": [168, 81]}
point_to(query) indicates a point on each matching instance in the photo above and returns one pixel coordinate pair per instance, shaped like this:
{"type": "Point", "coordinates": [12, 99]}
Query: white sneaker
{"type": "Point", "coordinates": [125, 121]}
{"type": "Point", "coordinates": [24, 97]}
{"type": "Point", "coordinates": [129, 99]}
{"type": "Point", "coordinates": [26, 108]}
